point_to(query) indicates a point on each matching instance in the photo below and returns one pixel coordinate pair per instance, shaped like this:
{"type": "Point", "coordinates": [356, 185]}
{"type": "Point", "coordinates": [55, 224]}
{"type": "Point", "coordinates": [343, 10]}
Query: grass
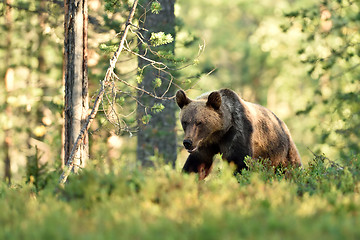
{"type": "Point", "coordinates": [320, 202]}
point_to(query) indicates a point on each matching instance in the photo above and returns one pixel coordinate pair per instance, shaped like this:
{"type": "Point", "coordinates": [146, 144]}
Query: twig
{"type": "Point", "coordinates": [104, 83]}
{"type": "Point", "coordinates": [141, 89]}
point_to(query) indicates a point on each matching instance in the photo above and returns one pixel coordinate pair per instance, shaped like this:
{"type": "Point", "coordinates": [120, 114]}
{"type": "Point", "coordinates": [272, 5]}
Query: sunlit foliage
{"type": "Point", "coordinates": [331, 53]}
{"type": "Point", "coordinates": [130, 203]}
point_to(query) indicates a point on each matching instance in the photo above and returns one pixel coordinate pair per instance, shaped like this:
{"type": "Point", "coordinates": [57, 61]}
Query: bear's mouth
{"type": "Point", "coordinates": [195, 148]}
{"type": "Point", "coordinates": [192, 150]}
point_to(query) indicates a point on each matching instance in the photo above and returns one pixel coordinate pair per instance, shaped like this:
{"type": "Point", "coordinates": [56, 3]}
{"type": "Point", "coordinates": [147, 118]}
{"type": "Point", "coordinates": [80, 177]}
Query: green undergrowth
{"type": "Point", "coordinates": [321, 201]}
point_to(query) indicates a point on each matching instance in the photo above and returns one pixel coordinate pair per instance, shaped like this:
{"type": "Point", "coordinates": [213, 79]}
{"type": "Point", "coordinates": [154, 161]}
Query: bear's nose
{"type": "Point", "coordinates": [187, 143]}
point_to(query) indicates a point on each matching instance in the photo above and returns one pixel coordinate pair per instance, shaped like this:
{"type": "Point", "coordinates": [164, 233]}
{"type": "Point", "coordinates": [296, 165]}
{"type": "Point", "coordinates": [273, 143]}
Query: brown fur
{"type": "Point", "coordinates": [222, 122]}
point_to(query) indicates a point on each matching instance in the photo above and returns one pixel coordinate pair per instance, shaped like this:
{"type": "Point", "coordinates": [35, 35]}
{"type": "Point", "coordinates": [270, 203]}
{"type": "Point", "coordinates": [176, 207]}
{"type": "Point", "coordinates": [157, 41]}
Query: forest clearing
{"type": "Point", "coordinates": [91, 141]}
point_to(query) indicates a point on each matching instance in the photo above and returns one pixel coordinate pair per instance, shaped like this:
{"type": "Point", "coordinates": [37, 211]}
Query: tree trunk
{"type": "Point", "coordinates": [8, 81]}
{"type": "Point", "coordinates": [158, 137]}
{"type": "Point", "coordinates": [42, 42]}
{"type": "Point", "coordinates": [76, 80]}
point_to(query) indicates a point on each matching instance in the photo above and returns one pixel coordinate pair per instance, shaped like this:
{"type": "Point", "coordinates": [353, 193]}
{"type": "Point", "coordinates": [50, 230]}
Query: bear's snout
{"type": "Point", "coordinates": [187, 144]}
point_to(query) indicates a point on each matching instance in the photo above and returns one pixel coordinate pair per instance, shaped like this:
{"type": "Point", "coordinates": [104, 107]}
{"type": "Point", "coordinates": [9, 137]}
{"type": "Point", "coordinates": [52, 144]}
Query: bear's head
{"type": "Point", "coordinates": [201, 119]}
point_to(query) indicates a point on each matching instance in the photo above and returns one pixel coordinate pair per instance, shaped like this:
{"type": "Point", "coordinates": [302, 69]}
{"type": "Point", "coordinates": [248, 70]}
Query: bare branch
{"type": "Point", "coordinates": [98, 100]}
{"type": "Point", "coordinates": [140, 89]}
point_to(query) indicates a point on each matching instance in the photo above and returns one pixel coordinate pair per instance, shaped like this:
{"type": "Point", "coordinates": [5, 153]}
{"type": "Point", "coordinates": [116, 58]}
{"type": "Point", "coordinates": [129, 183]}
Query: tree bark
{"type": "Point", "coordinates": [158, 137]}
{"type": "Point", "coordinates": [76, 80]}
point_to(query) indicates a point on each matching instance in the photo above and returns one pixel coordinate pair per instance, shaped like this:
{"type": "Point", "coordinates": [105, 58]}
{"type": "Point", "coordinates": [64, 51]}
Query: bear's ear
{"type": "Point", "coordinates": [182, 99]}
{"type": "Point", "coordinates": [214, 100]}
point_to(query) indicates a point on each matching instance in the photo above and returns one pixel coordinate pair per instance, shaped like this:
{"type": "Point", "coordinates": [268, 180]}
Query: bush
{"type": "Point", "coordinates": [321, 201]}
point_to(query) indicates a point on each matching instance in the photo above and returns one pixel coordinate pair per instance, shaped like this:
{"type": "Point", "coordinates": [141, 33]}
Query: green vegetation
{"type": "Point", "coordinates": [331, 53]}
{"type": "Point", "coordinates": [301, 59]}
{"type": "Point", "coordinates": [320, 202]}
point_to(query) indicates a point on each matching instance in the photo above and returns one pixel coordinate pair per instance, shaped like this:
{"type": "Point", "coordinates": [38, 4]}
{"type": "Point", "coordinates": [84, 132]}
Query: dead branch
{"type": "Point", "coordinates": [142, 90]}
{"type": "Point", "coordinates": [109, 73]}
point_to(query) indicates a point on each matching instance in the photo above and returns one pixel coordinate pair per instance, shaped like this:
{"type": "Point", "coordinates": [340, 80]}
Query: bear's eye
{"type": "Point", "coordinates": [184, 124]}
{"type": "Point", "coordinates": [198, 123]}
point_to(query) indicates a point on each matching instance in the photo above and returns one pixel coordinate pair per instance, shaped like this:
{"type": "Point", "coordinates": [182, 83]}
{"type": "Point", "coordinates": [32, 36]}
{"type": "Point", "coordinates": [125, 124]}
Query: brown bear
{"type": "Point", "coordinates": [222, 122]}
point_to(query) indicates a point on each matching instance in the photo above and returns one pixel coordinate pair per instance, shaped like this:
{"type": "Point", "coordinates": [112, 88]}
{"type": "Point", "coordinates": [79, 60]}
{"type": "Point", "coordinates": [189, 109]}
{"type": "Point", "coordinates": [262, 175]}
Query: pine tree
{"type": "Point", "coordinates": [76, 80]}
{"type": "Point", "coordinates": [156, 134]}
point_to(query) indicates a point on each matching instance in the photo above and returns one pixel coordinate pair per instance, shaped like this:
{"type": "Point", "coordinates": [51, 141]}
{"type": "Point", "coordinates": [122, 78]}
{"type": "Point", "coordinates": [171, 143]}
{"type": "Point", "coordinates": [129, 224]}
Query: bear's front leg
{"type": "Point", "coordinates": [199, 162]}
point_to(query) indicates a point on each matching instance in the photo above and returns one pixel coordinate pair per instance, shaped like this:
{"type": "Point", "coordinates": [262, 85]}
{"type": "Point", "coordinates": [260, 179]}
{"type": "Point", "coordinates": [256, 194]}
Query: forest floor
{"type": "Point", "coordinates": [321, 201]}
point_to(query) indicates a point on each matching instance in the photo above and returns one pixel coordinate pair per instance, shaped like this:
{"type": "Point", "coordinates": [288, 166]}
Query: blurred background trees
{"type": "Point", "coordinates": [299, 58]}
{"type": "Point", "coordinates": [8, 86]}
{"type": "Point", "coordinates": [156, 129]}
{"type": "Point", "coordinates": [331, 53]}
{"type": "Point", "coordinates": [31, 51]}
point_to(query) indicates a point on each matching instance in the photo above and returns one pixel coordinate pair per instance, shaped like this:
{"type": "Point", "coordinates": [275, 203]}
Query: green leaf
{"type": "Point", "coordinates": [108, 48]}
{"type": "Point", "coordinates": [168, 55]}
{"type": "Point", "coordinates": [139, 78]}
{"type": "Point", "coordinates": [160, 38]}
{"type": "Point", "coordinates": [158, 107]}
{"type": "Point", "coordinates": [157, 82]}
{"type": "Point", "coordinates": [156, 7]}
{"type": "Point", "coordinates": [121, 101]}
{"type": "Point", "coordinates": [146, 119]}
